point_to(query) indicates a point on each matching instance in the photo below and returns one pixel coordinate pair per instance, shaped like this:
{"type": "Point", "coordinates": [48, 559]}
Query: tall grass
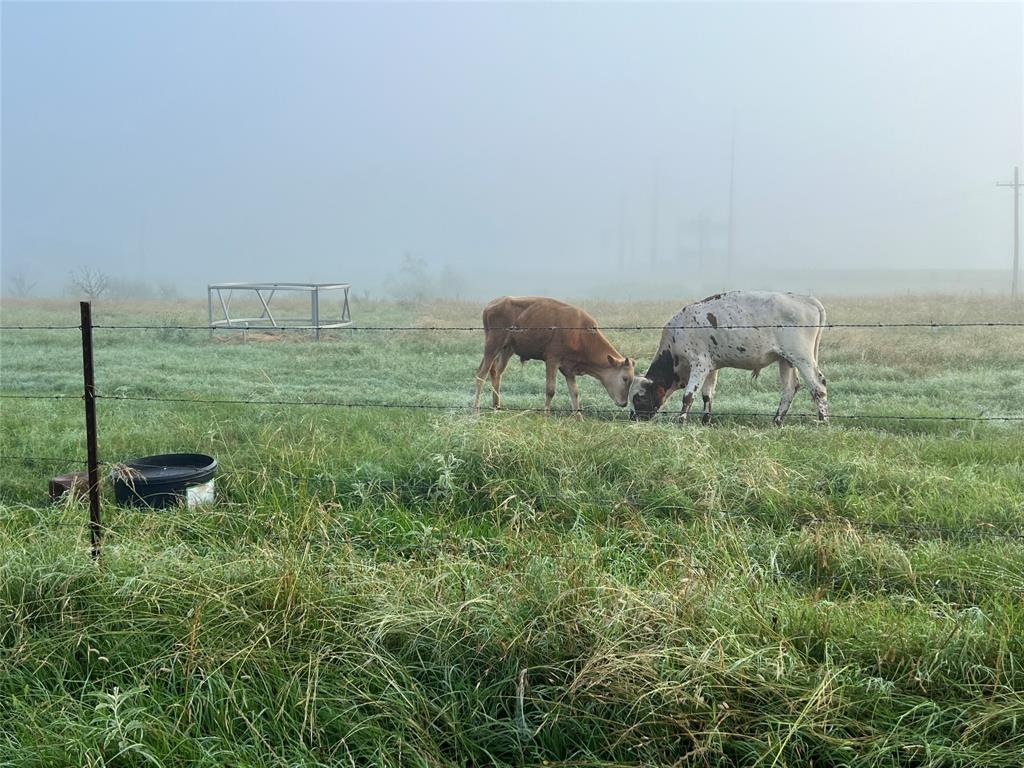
{"type": "Point", "coordinates": [390, 588]}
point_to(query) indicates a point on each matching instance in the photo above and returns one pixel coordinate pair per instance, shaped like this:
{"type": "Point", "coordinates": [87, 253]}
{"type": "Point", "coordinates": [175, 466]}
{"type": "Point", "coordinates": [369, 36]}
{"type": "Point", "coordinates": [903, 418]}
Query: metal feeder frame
{"type": "Point", "coordinates": [265, 292]}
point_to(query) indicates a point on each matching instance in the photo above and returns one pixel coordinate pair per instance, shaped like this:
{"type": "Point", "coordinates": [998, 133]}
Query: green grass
{"type": "Point", "coordinates": [378, 587]}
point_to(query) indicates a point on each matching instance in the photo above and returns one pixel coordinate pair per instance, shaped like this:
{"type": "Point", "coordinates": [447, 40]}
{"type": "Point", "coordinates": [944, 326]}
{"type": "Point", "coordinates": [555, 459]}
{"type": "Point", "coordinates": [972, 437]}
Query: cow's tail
{"type": "Point", "coordinates": [817, 337]}
{"type": "Point", "coordinates": [495, 321]}
{"type": "Point", "coordinates": [820, 330]}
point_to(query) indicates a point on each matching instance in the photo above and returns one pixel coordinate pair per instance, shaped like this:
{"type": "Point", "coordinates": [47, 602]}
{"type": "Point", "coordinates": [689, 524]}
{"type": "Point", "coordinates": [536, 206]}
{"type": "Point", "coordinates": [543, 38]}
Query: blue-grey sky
{"type": "Point", "coordinates": [293, 141]}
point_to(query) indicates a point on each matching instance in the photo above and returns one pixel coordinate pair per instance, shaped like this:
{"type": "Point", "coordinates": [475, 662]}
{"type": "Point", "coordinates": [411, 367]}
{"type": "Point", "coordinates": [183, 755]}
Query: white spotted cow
{"type": "Point", "coordinates": [740, 329]}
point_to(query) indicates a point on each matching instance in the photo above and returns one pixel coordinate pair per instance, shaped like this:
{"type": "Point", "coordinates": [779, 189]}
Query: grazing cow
{"type": "Point", "coordinates": [716, 333]}
{"type": "Point", "coordinates": [565, 337]}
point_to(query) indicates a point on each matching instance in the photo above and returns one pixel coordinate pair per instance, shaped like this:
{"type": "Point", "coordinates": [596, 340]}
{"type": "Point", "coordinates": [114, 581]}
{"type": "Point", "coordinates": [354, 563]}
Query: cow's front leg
{"type": "Point", "coordinates": [816, 383]}
{"type": "Point", "coordinates": [549, 390]}
{"type": "Point", "coordinates": [574, 395]}
{"type": "Point", "coordinates": [698, 373]}
{"type": "Point", "coordinates": [708, 394]}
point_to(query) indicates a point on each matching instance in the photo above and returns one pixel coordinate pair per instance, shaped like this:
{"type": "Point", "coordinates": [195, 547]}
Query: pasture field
{"type": "Point", "coordinates": [425, 587]}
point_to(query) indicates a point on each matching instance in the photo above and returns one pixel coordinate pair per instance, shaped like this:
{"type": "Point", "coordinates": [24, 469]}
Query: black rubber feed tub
{"type": "Point", "coordinates": [166, 480]}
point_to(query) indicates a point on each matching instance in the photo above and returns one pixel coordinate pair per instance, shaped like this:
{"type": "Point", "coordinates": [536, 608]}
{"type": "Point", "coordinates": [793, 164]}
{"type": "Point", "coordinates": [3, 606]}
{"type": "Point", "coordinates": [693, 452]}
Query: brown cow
{"type": "Point", "coordinates": [565, 337]}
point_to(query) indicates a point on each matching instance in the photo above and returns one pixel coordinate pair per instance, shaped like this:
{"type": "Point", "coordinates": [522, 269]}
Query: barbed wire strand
{"type": "Point", "coordinates": [513, 328]}
{"type": "Point", "coordinates": [40, 327]}
{"type": "Point", "coordinates": [44, 459]}
{"type": "Point", "coordinates": [513, 409]}
{"type": "Point", "coordinates": [509, 409]}
{"type": "Point", "coordinates": [19, 396]}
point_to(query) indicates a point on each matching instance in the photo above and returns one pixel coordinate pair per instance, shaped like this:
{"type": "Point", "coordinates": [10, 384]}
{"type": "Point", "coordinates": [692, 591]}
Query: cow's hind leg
{"type": "Point", "coordinates": [574, 395]}
{"type": "Point", "coordinates": [497, 370]}
{"type": "Point", "coordinates": [549, 385]}
{"type": "Point", "coordinates": [493, 347]}
{"type": "Point", "coordinates": [790, 384]}
{"type": "Point", "coordinates": [816, 383]}
{"type": "Point", "coordinates": [481, 377]}
{"type": "Point", "coordinates": [707, 393]}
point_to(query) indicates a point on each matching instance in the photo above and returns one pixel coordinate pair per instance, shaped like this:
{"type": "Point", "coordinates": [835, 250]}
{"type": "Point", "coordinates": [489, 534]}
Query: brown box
{"type": "Point", "coordinates": [73, 482]}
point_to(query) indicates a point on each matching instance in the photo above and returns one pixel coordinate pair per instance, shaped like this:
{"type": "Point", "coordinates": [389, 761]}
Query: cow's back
{"type": "Point", "coordinates": [754, 308]}
{"type": "Point", "coordinates": [534, 317]}
{"type": "Point", "coordinates": [745, 329]}
{"type": "Point", "coordinates": [503, 312]}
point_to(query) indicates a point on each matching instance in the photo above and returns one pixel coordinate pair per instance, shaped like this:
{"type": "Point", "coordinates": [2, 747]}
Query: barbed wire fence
{"type": "Point", "coordinates": [981, 529]}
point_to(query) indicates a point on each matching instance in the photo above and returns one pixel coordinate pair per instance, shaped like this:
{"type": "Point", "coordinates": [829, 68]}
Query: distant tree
{"type": "Point", "coordinates": [413, 282]}
{"type": "Point", "coordinates": [451, 283]}
{"type": "Point", "coordinates": [128, 288]}
{"type": "Point", "coordinates": [90, 282]}
{"type": "Point", "coordinates": [19, 285]}
{"type": "Point", "coordinates": [167, 290]}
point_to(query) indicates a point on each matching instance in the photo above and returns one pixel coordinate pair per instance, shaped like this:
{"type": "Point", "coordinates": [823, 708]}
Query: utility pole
{"type": "Point", "coordinates": [622, 233]}
{"type": "Point", "coordinates": [654, 219]}
{"type": "Point", "coordinates": [702, 228]}
{"type": "Point", "coordinates": [732, 178]}
{"type": "Point", "coordinates": [1016, 184]}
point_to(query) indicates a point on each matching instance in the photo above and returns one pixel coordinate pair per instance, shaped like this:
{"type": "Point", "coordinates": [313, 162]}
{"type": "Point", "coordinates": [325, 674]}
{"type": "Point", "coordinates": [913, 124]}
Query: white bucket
{"type": "Point", "coordinates": [199, 494]}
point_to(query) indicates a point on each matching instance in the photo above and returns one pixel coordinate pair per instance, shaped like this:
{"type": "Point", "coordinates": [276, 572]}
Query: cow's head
{"type": "Point", "coordinates": [645, 398]}
{"type": "Point", "coordinates": [617, 377]}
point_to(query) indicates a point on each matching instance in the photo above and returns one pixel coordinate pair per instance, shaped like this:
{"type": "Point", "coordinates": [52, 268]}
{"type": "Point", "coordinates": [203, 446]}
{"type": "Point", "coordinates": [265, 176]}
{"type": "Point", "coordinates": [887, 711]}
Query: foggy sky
{"type": "Point", "coordinates": [205, 142]}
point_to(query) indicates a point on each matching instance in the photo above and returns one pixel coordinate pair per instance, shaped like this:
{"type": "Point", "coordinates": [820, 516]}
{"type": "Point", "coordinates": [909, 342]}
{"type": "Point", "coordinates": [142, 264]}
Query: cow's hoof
{"type": "Point", "coordinates": [705, 419]}
{"type": "Point", "coordinates": [577, 415]}
{"type": "Point", "coordinates": [777, 421]}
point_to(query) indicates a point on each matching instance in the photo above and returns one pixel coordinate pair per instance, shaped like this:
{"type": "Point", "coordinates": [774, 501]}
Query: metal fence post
{"type": "Point", "coordinates": [316, 310]}
{"type": "Point", "coordinates": [95, 526]}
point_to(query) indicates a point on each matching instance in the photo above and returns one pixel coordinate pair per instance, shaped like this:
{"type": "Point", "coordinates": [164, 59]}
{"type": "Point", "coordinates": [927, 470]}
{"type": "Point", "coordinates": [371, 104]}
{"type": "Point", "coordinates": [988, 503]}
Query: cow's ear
{"type": "Point", "coordinates": [629, 363]}
{"type": "Point", "coordinates": [613, 361]}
